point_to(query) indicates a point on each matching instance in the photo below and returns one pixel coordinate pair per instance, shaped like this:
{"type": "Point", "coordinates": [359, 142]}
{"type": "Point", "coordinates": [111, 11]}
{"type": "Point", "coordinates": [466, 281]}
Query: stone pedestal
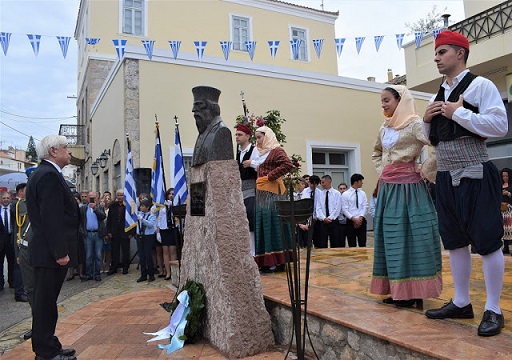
{"type": "Point", "coordinates": [216, 253]}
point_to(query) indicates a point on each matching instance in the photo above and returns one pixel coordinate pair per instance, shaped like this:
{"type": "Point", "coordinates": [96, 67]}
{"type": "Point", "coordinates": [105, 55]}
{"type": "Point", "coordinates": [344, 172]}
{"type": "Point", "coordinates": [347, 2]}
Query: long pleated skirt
{"type": "Point", "coordinates": [269, 241]}
{"type": "Point", "coordinates": [407, 247]}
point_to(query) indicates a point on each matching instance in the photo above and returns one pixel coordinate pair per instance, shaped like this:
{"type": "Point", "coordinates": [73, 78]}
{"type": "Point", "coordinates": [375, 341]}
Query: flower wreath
{"type": "Point", "coordinates": [197, 304]}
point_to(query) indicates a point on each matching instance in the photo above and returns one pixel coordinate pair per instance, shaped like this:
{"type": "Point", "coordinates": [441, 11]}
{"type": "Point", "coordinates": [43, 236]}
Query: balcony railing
{"type": "Point", "coordinates": [484, 25]}
{"type": "Point", "coordinates": [74, 133]}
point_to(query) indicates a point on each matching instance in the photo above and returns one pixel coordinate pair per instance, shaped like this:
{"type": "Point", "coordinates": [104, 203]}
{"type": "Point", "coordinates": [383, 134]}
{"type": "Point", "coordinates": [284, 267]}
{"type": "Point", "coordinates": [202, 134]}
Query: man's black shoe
{"type": "Point", "coordinates": [57, 357]}
{"type": "Point", "coordinates": [27, 335]}
{"type": "Point", "coordinates": [21, 298]}
{"type": "Point", "coordinates": [125, 271]}
{"type": "Point", "coordinates": [151, 279]}
{"type": "Point", "coordinates": [451, 311]}
{"type": "Point", "coordinates": [141, 279]}
{"type": "Point", "coordinates": [68, 352]}
{"type": "Point", "coordinates": [491, 324]}
{"type": "Point", "coordinates": [87, 278]}
{"type": "Point", "coordinates": [111, 272]}
{"type": "Point", "coordinates": [97, 278]}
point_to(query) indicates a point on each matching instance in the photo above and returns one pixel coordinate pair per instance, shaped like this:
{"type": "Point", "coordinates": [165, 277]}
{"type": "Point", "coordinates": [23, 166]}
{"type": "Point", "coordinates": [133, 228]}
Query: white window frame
{"type": "Point", "coordinates": [144, 19]}
{"type": "Point", "coordinates": [305, 43]}
{"type": "Point", "coordinates": [352, 150]}
{"type": "Point", "coordinates": [231, 34]}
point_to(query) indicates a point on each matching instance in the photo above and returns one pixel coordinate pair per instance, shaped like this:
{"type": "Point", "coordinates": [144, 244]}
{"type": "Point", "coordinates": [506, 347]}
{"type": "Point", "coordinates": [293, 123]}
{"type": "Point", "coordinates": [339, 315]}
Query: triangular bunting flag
{"type": "Point", "coordinates": [200, 46]}
{"type": "Point", "coordinates": [226, 48]}
{"type": "Point", "coordinates": [175, 47]}
{"type": "Point", "coordinates": [418, 36]}
{"type": "Point", "coordinates": [295, 44]}
{"type": "Point", "coordinates": [359, 43]}
{"type": "Point", "coordinates": [35, 41]}
{"type": "Point", "coordinates": [251, 46]}
{"type": "Point", "coordinates": [5, 39]}
{"type": "Point", "coordinates": [339, 45]}
{"type": "Point", "coordinates": [436, 32]}
{"type": "Point", "coordinates": [120, 46]}
{"type": "Point", "coordinates": [318, 43]}
{"type": "Point", "coordinates": [148, 45]}
{"type": "Point", "coordinates": [399, 40]}
{"type": "Point", "coordinates": [92, 41]}
{"type": "Point", "coordinates": [64, 44]}
{"type": "Point", "coordinates": [378, 41]}
{"type": "Point", "coordinates": [273, 45]}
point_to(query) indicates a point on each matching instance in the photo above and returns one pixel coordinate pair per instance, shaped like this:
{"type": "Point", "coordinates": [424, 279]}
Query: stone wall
{"type": "Point", "coordinates": [335, 342]}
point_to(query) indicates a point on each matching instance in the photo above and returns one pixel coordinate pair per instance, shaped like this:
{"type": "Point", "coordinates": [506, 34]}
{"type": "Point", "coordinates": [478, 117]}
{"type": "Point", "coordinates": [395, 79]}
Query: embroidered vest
{"type": "Point", "coordinates": [246, 173]}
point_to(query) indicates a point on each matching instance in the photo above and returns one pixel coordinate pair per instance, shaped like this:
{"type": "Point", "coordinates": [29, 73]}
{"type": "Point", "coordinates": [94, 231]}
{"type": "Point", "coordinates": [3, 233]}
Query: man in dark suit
{"type": "Point", "coordinates": [6, 246]}
{"type": "Point", "coordinates": [120, 239]}
{"type": "Point", "coordinates": [54, 218]}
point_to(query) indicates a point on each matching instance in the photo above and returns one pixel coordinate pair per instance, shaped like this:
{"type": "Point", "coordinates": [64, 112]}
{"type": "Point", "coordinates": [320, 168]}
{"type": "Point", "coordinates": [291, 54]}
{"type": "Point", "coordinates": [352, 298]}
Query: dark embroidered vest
{"type": "Point", "coordinates": [444, 129]}
{"type": "Point", "coordinates": [246, 173]}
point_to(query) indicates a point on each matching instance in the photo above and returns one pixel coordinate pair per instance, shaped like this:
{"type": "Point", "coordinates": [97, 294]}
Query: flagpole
{"type": "Point", "coordinates": [160, 142]}
{"type": "Point", "coordinates": [246, 111]}
{"type": "Point", "coordinates": [177, 125]}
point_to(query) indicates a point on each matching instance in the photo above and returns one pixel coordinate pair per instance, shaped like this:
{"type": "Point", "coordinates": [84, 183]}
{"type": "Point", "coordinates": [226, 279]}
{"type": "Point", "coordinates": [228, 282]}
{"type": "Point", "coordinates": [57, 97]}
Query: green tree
{"type": "Point", "coordinates": [430, 22]}
{"type": "Point", "coordinates": [31, 153]}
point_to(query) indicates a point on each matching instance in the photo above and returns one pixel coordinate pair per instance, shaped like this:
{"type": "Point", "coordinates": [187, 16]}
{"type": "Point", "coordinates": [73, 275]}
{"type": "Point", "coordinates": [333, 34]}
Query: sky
{"type": "Point", "coordinates": [37, 93]}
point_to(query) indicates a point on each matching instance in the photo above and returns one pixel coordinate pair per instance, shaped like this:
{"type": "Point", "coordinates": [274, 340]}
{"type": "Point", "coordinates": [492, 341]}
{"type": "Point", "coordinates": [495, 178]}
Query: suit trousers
{"type": "Point", "coordinates": [359, 234]}
{"type": "Point", "coordinates": [27, 273]}
{"type": "Point", "coordinates": [328, 230]}
{"type": "Point", "coordinates": [47, 286]}
{"type": "Point", "coordinates": [120, 245]}
{"type": "Point", "coordinates": [7, 251]}
{"type": "Point", "coordinates": [145, 248]}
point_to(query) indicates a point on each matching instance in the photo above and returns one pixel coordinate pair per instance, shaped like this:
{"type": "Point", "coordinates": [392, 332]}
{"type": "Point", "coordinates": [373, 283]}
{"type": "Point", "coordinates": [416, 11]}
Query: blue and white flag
{"type": "Point", "coordinates": [295, 45]}
{"type": "Point", "coordinates": [378, 41]}
{"type": "Point", "coordinates": [359, 43]}
{"type": "Point", "coordinates": [5, 39]}
{"type": "Point", "coordinates": [92, 41]}
{"type": "Point", "coordinates": [226, 48]}
{"type": "Point", "coordinates": [250, 46]}
{"type": "Point", "coordinates": [64, 44]}
{"type": "Point", "coordinates": [339, 45]}
{"type": "Point", "coordinates": [120, 46]}
{"type": "Point", "coordinates": [35, 41]}
{"type": "Point", "coordinates": [418, 36]}
{"type": "Point", "coordinates": [273, 45]}
{"type": "Point", "coordinates": [200, 46]}
{"type": "Point", "coordinates": [130, 193]}
{"type": "Point", "coordinates": [436, 32]}
{"type": "Point", "coordinates": [157, 175]}
{"type": "Point", "coordinates": [318, 43]}
{"type": "Point", "coordinates": [399, 40]}
{"type": "Point", "coordinates": [180, 179]}
{"type": "Point", "coordinates": [175, 47]}
{"type": "Point", "coordinates": [148, 45]}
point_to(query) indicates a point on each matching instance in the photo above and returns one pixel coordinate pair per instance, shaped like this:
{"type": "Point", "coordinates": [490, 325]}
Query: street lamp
{"type": "Point", "coordinates": [94, 168]}
{"type": "Point", "coordinates": [103, 158]}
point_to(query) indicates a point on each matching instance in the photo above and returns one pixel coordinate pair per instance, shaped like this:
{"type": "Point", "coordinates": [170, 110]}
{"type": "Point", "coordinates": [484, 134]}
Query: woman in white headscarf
{"type": "Point", "coordinates": [407, 249]}
{"type": "Point", "coordinates": [271, 164]}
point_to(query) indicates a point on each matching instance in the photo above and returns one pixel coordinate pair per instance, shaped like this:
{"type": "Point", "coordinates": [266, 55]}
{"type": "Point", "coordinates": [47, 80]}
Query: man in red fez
{"type": "Point", "coordinates": [465, 112]}
{"type": "Point", "coordinates": [247, 152]}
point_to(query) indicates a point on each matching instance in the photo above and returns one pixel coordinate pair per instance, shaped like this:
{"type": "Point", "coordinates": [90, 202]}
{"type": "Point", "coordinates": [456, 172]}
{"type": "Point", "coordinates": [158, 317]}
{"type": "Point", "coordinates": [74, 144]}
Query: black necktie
{"type": "Point", "coordinates": [357, 201]}
{"type": "Point", "coordinates": [327, 203]}
{"type": "Point", "coordinates": [6, 220]}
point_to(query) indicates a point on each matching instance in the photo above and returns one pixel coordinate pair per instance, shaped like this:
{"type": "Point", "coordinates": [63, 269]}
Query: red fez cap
{"type": "Point", "coordinates": [448, 37]}
{"type": "Point", "coordinates": [244, 128]}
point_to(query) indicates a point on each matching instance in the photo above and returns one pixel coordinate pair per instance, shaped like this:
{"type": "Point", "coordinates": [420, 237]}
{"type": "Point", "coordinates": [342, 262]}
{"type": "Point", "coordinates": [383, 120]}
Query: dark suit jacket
{"type": "Point", "coordinates": [54, 218]}
{"type": "Point", "coordinates": [115, 220]}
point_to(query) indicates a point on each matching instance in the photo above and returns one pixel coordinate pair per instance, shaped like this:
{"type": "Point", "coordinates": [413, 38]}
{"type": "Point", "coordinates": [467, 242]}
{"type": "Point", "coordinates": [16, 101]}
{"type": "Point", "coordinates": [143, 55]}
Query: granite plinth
{"type": "Point", "coordinates": [216, 253]}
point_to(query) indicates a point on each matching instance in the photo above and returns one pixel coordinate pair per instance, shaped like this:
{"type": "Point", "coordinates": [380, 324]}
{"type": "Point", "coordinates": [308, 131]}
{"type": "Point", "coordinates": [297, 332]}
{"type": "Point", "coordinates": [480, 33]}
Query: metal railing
{"type": "Point", "coordinates": [74, 133]}
{"type": "Point", "coordinates": [484, 25]}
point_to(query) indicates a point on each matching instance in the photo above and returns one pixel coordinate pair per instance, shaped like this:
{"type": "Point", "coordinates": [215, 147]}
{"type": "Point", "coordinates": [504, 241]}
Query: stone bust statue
{"type": "Point", "coordinates": [214, 141]}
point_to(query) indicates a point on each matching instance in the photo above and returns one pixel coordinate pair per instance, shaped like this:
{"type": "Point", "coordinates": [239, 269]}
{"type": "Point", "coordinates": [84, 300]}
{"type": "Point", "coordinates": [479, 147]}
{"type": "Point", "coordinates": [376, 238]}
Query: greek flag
{"type": "Point", "coordinates": [157, 175]}
{"type": "Point", "coordinates": [378, 40]}
{"type": "Point", "coordinates": [339, 45]}
{"type": "Point", "coordinates": [120, 46]}
{"type": "Point", "coordinates": [418, 36]}
{"type": "Point", "coordinates": [251, 46]}
{"type": "Point", "coordinates": [399, 40]}
{"type": "Point", "coordinates": [35, 41]}
{"type": "Point", "coordinates": [180, 180]}
{"type": "Point", "coordinates": [226, 48]}
{"type": "Point", "coordinates": [295, 44]}
{"type": "Point", "coordinates": [200, 46]}
{"type": "Point", "coordinates": [359, 43]}
{"type": "Point", "coordinates": [130, 193]}
{"type": "Point", "coordinates": [148, 45]}
{"type": "Point", "coordinates": [5, 39]}
{"type": "Point", "coordinates": [64, 44]}
{"type": "Point", "coordinates": [175, 47]}
{"type": "Point", "coordinates": [273, 48]}
{"type": "Point", "coordinates": [318, 46]}
{"type": "Point", "coordinates": [436, 32]}
{"type": "Point", "coordinates": [92, 41]}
